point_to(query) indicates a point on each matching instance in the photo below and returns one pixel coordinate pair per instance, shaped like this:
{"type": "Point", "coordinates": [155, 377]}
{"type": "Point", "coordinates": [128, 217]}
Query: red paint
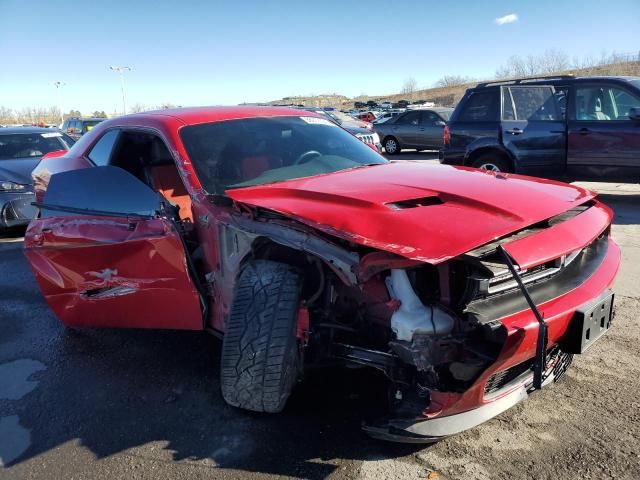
{"type": "Point", "coordinates": [303, 325]}
{"type": "Point", "coordinates": [561, 239]}
{"type": "Point", "coordinates": [477, 206]}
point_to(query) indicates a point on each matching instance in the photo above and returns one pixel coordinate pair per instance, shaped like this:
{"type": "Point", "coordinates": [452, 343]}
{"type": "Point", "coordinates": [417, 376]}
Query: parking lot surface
{"type": "Point", "coordinates": [146, 404]}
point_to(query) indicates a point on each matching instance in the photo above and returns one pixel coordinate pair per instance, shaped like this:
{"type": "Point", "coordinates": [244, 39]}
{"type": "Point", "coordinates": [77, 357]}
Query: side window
{"type": "Point", "coordinates": [480, 107]}
{"type": "Point", "coordinates": [604, 103]}
{"type": "Point", "coordinates": [429, 118]}
{"type": "Point", "coordinates": [411, 118]}
{"type": "Point", "coordinates": [508, 112]}
{"type": "Point", "coordinates": [534, 103]}
{"type": "Point", "coordinates": [101, 151]}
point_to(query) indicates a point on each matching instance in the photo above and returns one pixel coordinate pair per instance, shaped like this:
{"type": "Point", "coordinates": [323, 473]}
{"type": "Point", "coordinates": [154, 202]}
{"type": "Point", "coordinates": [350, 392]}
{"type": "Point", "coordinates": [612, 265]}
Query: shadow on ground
{"type": "Point", "coordinates": [115, 390]}
{"type": "Point", "coordinates": [625, 206]}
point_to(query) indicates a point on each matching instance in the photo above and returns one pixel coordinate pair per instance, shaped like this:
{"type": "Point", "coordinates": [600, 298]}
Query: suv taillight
{"type": "Point", "coordinates": [446, 136]}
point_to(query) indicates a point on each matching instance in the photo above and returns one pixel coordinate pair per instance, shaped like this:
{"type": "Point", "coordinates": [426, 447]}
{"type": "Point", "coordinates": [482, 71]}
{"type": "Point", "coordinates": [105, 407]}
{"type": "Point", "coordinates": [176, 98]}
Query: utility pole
{"type": "Point", "coordinates": [121, 71]}
{"type": "Point", "coordinates": [58, 84]}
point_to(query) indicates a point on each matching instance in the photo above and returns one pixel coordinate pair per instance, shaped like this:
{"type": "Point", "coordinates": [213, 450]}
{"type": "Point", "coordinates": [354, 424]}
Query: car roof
{"type": "Point", "coordinates": [5, 130]}
{"type": "Point", "coordinates": [196, 115]}
{"type": "Point", "coordinates": [552, 80]}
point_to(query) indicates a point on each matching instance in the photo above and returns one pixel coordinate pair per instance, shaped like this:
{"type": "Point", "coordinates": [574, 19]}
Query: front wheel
{"type": "Point", "coordinates": [391, 146]}
{"type": "Point", "coordinates": [492, 163]}
{"type": "Point", "coordinates": [260, 353]}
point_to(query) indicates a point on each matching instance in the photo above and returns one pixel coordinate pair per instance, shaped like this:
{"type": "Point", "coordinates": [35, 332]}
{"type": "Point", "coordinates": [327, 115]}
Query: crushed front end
{"type": "Point", "coordinates": [458, 340]}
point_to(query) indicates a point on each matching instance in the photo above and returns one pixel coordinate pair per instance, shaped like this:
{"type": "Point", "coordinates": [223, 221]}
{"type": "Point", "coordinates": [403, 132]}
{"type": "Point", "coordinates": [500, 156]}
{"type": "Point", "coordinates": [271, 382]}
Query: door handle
{"type": "Point", "coordinates": [514, 131]}
{"type": "Point", "coordinates": [584, 131]}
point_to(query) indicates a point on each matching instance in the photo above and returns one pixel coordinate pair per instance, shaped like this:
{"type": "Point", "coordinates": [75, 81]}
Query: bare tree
{"type": "Point", "coordinates": [409, 86]}
{"type": "Point", "coordinates": [6, 115]}
{"type": "Point", "coordinates": [138, 107]}
{"type": "Point", "coordinates": [551, 61]}
{"type": "Point", "coordinates": [453, 81]}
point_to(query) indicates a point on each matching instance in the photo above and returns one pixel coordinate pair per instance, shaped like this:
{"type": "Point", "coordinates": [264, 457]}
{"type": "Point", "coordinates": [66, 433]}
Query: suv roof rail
{"type": "Point", "coordinates": [518, 81]}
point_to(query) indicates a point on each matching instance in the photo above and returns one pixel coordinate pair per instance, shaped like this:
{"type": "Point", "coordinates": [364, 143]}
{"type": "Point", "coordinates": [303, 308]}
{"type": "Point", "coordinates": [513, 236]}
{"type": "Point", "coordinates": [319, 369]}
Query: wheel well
{"type": "Point", "coordinates": [306, 264]}
{"type": "Point", "coordinates": [489, 150]}
{"type": "Point", "coordinates": [384, 139]}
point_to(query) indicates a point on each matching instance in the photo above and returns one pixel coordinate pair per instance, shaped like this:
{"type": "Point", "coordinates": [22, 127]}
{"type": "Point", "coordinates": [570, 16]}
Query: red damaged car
{"type": "Point", "coordinates": [299, 245]}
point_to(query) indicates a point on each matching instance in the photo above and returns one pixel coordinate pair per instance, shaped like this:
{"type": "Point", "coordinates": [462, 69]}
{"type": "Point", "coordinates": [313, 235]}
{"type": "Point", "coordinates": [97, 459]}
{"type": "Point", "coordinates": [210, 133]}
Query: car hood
{"type": "Point", "coordinates": [429, 213]}
{"type": "Point", "coordinates": [18, 170]}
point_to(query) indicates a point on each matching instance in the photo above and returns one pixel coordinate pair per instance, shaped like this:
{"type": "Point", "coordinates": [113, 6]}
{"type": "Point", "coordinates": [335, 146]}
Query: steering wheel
{"type": "Point", "coordinates": [306, 156]}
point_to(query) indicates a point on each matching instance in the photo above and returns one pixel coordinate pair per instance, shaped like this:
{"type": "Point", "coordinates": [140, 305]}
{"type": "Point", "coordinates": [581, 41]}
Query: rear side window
{"type": "Point", "coordinates": [411, 118]}
{"type": "Point", "coordinates": [530, 104]}
{"type": "Point", "coordinates": [480, 107]}
{"type": "Point", "coordinates": [101, 151]}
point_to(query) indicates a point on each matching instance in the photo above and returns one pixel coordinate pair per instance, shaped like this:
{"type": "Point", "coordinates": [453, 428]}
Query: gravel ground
{"type": "Point", "coordinates": [145, 404]}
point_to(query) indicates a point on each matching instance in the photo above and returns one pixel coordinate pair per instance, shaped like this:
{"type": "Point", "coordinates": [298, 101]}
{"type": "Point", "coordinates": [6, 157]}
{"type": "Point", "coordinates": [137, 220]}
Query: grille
{"type": "Point", "coordinates": [557, 364]}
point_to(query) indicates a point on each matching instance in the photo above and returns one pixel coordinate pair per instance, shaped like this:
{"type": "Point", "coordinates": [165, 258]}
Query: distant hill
{"type": "Point", "coordinates": [441, 96]}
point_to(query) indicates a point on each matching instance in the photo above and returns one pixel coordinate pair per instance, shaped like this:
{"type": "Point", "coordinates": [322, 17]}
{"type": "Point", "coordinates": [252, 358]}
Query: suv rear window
{"type": "Point", "coordinates": [480, 107]}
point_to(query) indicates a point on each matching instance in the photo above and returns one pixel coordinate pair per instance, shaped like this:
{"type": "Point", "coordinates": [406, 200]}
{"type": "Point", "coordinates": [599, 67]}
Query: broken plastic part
{"type": "Point", "coordinates": [412, 316]}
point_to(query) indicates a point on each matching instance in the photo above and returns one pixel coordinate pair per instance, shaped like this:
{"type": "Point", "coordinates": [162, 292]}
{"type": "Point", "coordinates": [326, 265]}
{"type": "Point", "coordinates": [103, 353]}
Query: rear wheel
{"type": "Point", "coordinates": [260, 353]}
{"type": "Point", "coordinates": [391, 146]}
{"type": "Point", "coordinates": [492, 162]}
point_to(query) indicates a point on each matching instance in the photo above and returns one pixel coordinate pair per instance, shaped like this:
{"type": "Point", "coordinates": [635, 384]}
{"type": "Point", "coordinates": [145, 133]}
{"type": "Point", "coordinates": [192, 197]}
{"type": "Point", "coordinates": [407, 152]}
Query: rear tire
{"type": "Point", "coordinates": [493, 163]}
{"type": "Point", "coordinates": [260, 354]}
{"type": "Point", "coordinates": [391, 146]}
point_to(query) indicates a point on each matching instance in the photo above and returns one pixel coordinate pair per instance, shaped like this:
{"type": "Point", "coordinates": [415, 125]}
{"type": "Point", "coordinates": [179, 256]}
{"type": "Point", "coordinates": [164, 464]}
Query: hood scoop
{"type": "Point", "coordinates": [415, 203]}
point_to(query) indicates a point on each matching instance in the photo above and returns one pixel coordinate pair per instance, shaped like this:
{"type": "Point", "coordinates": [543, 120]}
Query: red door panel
{"type": "Point", "coordinates": [97, 271]}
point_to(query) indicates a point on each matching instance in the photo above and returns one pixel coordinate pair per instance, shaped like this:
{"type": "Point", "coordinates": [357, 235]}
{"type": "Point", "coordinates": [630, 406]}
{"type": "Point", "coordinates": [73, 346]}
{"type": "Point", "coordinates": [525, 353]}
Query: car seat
{"type": "Point", "coordinates": [595, 109]}
{"type": "Point", "coordinates": [165, 178]}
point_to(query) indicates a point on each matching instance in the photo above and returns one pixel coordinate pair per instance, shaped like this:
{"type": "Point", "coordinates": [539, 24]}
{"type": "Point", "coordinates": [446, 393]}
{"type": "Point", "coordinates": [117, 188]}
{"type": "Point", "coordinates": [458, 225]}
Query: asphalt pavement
{"type": "Point", "coordinates": [146, 404]}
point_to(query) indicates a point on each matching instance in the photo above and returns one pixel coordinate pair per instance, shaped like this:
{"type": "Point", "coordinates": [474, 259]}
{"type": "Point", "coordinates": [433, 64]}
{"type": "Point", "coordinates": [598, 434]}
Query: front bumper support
{"type": "Point", "coordinates": [540, 362]}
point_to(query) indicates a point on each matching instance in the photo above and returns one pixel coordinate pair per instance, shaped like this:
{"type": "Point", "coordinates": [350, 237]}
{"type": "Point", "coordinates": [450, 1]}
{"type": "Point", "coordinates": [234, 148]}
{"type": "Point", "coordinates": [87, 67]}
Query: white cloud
{"type": "Point", "coordinates": [512, 17]}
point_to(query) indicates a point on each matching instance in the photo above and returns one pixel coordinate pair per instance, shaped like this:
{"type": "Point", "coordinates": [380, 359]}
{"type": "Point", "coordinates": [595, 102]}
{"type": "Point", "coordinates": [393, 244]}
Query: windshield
{"type": "Point", "coordinates": [25, 145]}
{"type": "Point", "coordinates": [255, 151]}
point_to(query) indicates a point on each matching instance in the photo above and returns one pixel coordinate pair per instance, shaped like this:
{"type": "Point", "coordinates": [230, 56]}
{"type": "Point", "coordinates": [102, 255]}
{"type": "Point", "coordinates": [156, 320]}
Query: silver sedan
{"type": "Point", "coordinates": [420, 129]}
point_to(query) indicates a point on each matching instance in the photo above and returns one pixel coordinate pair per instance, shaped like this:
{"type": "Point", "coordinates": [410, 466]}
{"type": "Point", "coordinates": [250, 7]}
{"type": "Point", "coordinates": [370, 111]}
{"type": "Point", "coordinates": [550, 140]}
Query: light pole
{"type": "Point", "coordinates": [121, 71]}
{"type": "Point", "coordinates": [58, 84]}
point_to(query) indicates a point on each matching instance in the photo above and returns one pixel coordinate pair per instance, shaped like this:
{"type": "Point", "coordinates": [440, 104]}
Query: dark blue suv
{"type": "Point", "coordinates": [563, 126]}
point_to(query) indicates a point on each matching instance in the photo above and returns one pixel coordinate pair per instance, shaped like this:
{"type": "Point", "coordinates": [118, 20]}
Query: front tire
{"type": "Point", "coordinates": [391, 146]}
{"type": "Point", "coordinates": [493, 163]}
{"type": "Point", "coordinates": [260, 353]}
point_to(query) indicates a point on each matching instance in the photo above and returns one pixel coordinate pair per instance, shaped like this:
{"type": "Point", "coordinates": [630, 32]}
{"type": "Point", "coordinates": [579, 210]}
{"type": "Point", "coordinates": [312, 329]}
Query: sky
{"type": "Point", "coordinates": [212, 52]}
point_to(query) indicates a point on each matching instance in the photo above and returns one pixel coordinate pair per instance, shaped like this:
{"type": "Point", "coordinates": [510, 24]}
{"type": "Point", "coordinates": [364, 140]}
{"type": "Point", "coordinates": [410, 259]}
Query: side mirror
{"type": "Point", "coordinates": [634, 113]}
{"type": "Point", "coordinates": [441, 123]}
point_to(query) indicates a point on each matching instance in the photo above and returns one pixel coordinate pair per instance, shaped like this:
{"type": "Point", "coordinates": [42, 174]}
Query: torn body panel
{"type": "Point", "coordinates": [113, 272]}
